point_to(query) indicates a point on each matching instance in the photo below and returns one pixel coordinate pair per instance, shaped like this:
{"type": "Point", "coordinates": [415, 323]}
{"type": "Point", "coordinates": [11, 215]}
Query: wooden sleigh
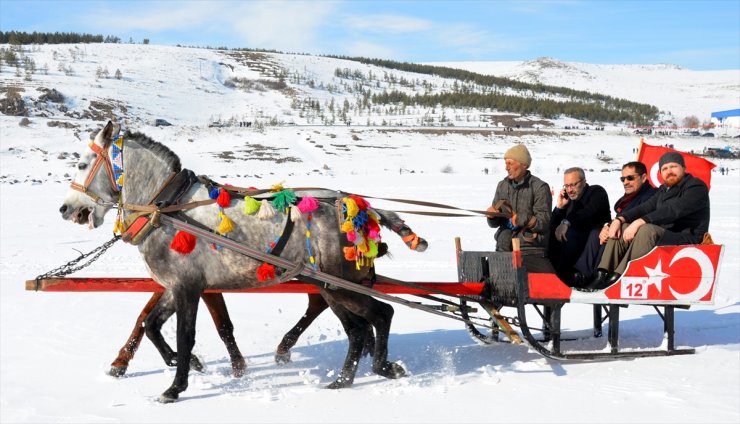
{"type": "Point", "coordinates": [667, 278]}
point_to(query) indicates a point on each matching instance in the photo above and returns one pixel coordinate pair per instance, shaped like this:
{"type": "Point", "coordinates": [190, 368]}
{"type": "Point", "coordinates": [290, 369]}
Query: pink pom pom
{"type": "Point", "coordinates": [373, 234]}
{"type": "Point", "coordinates": [351, 236]}
{"type": "Point", "coordinates": [308, 204]}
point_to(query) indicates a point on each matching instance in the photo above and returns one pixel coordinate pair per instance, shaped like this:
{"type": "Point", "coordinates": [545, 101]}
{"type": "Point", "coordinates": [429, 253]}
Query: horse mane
{"type": "Point", "coordinates": [160, 149]}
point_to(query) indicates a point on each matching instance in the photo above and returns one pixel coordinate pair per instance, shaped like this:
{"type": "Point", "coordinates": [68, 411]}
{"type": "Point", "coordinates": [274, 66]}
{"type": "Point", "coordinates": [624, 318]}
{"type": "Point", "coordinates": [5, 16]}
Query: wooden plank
{"type": "Point", "coordinates": [147, 285]}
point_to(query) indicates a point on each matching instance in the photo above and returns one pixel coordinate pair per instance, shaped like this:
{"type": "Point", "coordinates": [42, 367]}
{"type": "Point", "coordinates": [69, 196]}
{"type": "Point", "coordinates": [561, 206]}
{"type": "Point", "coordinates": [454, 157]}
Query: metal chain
{"type": "Point", "coordinates": [70, 267]}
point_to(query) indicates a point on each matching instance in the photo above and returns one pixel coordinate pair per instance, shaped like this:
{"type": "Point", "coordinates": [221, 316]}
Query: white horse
{"type": "Point", "coordinates": [148, 167]}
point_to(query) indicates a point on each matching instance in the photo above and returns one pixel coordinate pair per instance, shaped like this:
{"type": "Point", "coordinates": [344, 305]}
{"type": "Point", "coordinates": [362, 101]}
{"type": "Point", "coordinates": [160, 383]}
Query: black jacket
{"type": "Point", "coordinates": [646, 192]}
{"type": "Point", "coordinates": [683, 210]}
{"type": "Point", "coordinates": [589, 211]}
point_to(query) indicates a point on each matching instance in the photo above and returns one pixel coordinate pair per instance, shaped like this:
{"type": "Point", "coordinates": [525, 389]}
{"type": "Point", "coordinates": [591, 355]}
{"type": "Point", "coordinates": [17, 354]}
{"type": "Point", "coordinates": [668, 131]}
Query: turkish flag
{"type": "Point", "coordinates": [696, 166]}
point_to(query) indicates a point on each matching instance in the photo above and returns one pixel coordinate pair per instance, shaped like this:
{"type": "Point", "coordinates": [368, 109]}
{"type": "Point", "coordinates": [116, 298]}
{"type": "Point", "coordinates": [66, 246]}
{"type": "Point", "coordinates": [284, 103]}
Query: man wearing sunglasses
{"type": "Point", "coordinates": [677, 214]}
{"type": "Point", "coordinates": [636, 191]}
{"type": "Point", "coordinates": [580, 208]}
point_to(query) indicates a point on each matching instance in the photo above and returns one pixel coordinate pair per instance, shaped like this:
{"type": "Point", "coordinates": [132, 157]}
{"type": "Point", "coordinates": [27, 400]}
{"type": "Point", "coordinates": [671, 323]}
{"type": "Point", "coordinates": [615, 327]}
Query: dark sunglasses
{"type": "Point", "coordinates": [629, 178]}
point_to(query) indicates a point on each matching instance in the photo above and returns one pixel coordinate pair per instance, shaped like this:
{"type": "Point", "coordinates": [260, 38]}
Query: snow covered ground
{"type": "Point", "coordinates": [56, 347]}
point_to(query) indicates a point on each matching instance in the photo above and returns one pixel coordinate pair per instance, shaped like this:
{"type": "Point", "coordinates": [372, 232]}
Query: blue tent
{"type": "Point", "coordinates": [721, 115]}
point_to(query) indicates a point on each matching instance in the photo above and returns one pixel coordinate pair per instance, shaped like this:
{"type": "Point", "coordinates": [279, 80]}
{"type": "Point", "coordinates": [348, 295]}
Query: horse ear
{"type": "Point", "coordinates": [110, 130]}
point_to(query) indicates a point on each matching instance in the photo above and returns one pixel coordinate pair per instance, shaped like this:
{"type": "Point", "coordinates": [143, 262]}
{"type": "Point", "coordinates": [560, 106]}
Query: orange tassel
{"type": "Point", "coordinates": [183, 243]}
{"type": "Point", "coordinates": [265, 272]}
{"type": "Point", "coordinates": [350, 253]}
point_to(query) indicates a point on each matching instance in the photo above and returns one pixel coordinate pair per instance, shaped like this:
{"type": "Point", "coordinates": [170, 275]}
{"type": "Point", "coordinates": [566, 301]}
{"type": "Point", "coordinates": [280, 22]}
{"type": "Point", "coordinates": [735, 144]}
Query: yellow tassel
{"type": "Point", "coordinates": [226, 226]}
{"type": "Point", "coordinates": [118, 226]}
{"type": "Point", "coordinates": [267, 211]}
{"type": "Point", "coordinates": [347, 226]}
{"type": "Point", "coordinates": [352, 208]}
{"type": "Point", "coordinates": [277, 187]}
{"type": "Point", "coordinates": [251, 206]}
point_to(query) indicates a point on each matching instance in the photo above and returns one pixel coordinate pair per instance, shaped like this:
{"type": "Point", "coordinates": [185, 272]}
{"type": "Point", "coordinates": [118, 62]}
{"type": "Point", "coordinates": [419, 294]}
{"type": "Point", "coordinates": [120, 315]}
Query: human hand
{"type": "Point", "coordinates": [560, 232]}
{"type": "Point", "coordinates": [604, 234]}
{"type": "Point", "coordinates": [490, 211]}
{"type": "Point", "coordinates": [615, 229]}
{"type": "Point", "coordinates": [631, 231]}
{"type": "Point", "coordinates": [563, 199]}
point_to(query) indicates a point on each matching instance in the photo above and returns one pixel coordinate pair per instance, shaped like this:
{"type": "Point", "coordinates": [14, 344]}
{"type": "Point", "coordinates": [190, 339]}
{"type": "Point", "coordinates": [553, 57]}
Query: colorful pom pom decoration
{"type": "Point", "coordinates": [183, 242]}
{"type": "Point", "coordinates": [265, 272]}
{"type": "Point", "coordinates": [361, 224]}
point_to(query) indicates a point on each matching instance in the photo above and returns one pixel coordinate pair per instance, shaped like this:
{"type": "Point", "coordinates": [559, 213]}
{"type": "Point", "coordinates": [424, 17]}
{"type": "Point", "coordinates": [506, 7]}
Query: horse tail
{"type": "Point", "coordinates": [391, 220]}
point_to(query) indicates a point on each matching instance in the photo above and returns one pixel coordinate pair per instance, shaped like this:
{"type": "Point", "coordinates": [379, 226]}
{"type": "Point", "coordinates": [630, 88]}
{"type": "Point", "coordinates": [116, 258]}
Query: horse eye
{"type": "Point", "coordinates": [81, 166]}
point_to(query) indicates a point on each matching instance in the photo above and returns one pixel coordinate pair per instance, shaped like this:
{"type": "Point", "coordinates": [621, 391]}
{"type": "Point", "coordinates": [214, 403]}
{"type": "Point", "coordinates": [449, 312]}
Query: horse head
{"type": "Point", "coordinates": [93, 193]}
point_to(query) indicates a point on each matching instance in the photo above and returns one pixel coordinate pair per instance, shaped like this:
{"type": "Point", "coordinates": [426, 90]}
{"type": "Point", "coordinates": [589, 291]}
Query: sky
{"type": "Point", "coordinates": [698, 35]}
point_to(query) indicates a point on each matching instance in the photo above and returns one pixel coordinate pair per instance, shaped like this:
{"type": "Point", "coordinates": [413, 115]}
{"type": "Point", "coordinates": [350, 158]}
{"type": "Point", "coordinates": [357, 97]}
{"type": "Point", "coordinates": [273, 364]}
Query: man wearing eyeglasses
{"type": "Point", "coordinates": [636, 191]}
{"type": "Point", "coordinates": [580, 208]}
{"type": "Point", "coordinates": [677, 214]}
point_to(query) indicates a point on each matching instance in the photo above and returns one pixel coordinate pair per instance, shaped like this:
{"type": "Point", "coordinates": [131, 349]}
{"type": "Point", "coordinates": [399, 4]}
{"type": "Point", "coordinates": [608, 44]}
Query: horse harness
{"type": "Point", "coordinates": [144, 218]}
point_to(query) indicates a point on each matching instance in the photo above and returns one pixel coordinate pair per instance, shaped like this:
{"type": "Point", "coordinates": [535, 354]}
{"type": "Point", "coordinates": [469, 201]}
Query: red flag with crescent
{"type": "Point", "coordinates": [695, 165]}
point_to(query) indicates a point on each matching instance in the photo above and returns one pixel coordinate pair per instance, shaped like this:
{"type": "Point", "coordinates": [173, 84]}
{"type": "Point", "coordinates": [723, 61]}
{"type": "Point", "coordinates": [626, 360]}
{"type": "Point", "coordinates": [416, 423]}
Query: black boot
{"type": "Point", "coordinates": [598, 278]}
{"type": "Point", "coordinates": [611, 279]}
{"type": "Point", "coordinates": [578, 280]}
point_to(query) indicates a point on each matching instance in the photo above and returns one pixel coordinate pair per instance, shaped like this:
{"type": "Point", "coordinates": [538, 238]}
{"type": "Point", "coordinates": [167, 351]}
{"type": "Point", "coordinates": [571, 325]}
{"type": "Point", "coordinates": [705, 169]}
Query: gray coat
{"type": "Point", "coordinates": [531, 198]}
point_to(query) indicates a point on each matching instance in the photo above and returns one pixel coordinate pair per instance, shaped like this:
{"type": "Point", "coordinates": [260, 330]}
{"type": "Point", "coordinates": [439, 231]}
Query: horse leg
{"type": "Point", "coordinates": [356, 329]}
{"type": "Point", "coordinates": [316, 305]}
{"type": "Point", "coordinates": [119, 366]}
{"type": "Point", "coordinates": [217, 307]}
{"type": "Point", "coordinates": [153, 323]}
{"type": "Point", "coordinates": [186, 307]}
{"type": "Point", "coordinates": [380, 316]}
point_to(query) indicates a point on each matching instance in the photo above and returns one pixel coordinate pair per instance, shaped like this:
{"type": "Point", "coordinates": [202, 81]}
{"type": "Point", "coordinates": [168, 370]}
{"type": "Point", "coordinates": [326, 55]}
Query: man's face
{"type": "Point", "coordinates": [631, 180]}
{"type": "Point", "coordinates": [672, 173]}
{"type": "Point", "coordinates": [573, 185]}
{"type": "Point", "coordinates": [515, 170]}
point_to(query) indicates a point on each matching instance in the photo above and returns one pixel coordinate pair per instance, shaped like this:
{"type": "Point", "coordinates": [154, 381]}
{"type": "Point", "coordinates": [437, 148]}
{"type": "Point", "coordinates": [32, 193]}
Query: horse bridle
{"type": "Point", "coordinates": [102, 158]}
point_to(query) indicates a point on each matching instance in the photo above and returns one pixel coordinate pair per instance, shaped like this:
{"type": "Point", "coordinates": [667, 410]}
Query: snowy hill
{"type": "Point", "coordinates": [681, 92]}
{"type": "Point", "coordinates": [56, 347]}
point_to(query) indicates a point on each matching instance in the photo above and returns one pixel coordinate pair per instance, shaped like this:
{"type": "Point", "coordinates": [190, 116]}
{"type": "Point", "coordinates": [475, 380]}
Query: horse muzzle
{"type": "Point", "coordinates": [81, 215]}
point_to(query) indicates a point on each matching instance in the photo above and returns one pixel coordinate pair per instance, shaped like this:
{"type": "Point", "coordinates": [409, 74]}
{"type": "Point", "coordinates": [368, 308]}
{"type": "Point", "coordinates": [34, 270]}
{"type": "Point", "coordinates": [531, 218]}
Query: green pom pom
{"type": "Point", "coordinates": [251, 206]}
{"type": "Point", "coordinates": [283, 199]}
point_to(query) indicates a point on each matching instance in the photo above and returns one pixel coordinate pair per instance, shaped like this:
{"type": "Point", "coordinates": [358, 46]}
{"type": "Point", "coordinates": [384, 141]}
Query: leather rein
{"type": "Point", "coordinates": [103, 160]}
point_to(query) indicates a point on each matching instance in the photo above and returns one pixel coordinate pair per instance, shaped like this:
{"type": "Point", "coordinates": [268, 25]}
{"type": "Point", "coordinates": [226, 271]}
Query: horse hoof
{"type": "Point", "coordinates": [118, 371]}
{"type": "Point", "coordinates": [169, 396]}
{"type": "Point", "coordinates": [195, 364]}
{"type": "Point", "coordinates": [340, 383]}
{"type": "Point", "coordinates": [238, 369]}
{"type": "Point", "coordinates": [391, 370]}
{"type": "Point", "coordinates": [282, 358]}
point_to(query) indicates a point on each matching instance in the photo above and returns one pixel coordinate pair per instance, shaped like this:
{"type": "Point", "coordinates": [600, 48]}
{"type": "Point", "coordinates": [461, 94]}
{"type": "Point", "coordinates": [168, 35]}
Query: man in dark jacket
{"type": "Point", "coordinates": [530, 201]}
{"type": "Point", "coordinates": [580, 209]}
{"type": "Point", "coordinates": [637, 190]}
{"type": "Point", "coordinates": [677, 214]}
